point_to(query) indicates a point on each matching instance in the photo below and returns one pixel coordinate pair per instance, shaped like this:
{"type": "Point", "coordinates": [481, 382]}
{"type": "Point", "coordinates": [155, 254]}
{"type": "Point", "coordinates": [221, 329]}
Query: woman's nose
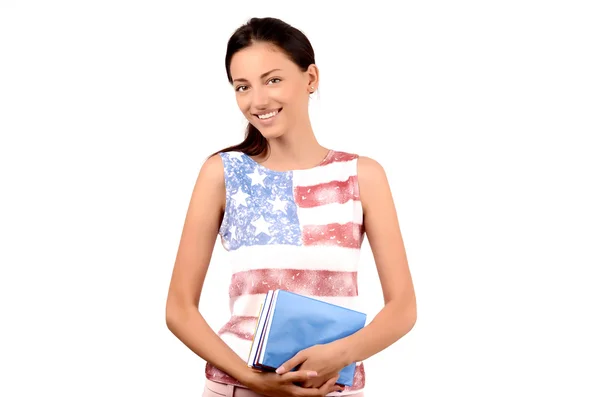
{"type": "Point", "coordinates": [260, 98]}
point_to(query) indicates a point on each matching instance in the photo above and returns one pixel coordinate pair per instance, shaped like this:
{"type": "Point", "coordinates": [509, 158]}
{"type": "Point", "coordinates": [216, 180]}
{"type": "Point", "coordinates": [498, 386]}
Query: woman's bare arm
{"type": "Point", "coordinates": [198, 238]}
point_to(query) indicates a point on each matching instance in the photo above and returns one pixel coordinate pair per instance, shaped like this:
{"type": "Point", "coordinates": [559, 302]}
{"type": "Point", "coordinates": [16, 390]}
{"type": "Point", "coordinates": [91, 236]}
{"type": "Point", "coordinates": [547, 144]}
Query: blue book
{"type": "Point", "coordinates": [289, 322]}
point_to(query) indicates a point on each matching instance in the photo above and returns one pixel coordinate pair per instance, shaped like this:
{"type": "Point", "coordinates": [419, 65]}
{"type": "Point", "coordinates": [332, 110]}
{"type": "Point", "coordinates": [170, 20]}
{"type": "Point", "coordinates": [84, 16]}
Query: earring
{"type": "Point", "coordinates": [313, 88]}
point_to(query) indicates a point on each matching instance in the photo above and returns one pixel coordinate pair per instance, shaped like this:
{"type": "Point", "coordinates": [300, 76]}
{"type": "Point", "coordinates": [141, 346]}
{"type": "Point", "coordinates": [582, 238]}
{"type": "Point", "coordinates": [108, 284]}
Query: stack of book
{"type": "Point", "coordinates": [290, 322]}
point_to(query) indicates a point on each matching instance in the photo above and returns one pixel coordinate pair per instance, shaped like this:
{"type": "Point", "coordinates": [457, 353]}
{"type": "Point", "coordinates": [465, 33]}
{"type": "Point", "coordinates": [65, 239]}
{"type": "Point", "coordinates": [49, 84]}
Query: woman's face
{"type": "Point", "coordinates": [266, 81]}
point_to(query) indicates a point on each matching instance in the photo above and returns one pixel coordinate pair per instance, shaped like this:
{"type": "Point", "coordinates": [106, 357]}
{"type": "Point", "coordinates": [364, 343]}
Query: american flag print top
{"type": "Point", "coordinates": [299, 230]}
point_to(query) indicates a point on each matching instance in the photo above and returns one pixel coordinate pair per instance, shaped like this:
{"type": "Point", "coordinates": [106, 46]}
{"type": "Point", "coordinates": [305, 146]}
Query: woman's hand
{"type": "Point", "coordinates": [326, 360]}
{"type": "Point", "coordinates": [285, 385]}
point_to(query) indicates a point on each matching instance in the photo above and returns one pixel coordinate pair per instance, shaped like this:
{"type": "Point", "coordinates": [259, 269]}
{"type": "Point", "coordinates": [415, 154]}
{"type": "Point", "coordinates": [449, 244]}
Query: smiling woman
{"type": "Point", "coordinates": [271, 91]}
{"type": "Point", "coordinates": [291, 215]}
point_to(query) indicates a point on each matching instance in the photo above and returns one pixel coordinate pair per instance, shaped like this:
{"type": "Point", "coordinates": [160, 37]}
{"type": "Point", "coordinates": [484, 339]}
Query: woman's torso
{"type": "Point", "coordinates": [298, 230]}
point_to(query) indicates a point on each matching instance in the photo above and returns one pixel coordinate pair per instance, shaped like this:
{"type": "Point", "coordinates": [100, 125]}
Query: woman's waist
{"type": "Point", "coordinates": [213, 374]}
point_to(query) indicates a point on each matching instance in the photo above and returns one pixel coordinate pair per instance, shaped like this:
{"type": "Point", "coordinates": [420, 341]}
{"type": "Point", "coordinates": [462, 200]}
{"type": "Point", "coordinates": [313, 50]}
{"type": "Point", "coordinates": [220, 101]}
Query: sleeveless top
{"type": "Point", "coordinates": [298, 230]}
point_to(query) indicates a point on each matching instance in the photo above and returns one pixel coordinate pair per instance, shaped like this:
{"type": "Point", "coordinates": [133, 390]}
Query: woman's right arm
{"type": "Point", "coordinates": [200, 231]}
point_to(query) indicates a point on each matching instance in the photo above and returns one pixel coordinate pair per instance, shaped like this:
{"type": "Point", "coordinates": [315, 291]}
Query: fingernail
{"type": "Point", "coordinates": [312, 374]}
{"type": "Point", "coordinates": [280, 370]}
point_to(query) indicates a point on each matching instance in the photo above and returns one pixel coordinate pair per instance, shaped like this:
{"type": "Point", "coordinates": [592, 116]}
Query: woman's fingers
{"type": "Point", "coordinates": [330, 386]}
{"type": "Point", "coordinates": [298, 376]}
{"type": "Point", "coordinates": [302, 376]}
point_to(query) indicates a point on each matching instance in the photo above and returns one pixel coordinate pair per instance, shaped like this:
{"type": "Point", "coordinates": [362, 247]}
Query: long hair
{"type": "Point", "coordinates": [290, 40]}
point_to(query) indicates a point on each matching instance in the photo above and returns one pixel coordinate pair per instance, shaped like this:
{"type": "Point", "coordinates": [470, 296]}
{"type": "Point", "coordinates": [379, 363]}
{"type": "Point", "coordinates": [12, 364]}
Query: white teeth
{"type": "Point", "coordinates": [268, 115]}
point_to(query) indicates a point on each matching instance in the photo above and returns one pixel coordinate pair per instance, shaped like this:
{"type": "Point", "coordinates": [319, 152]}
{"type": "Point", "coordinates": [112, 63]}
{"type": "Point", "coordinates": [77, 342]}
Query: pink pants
{"type": "Point", "coordinates": [215, 389]}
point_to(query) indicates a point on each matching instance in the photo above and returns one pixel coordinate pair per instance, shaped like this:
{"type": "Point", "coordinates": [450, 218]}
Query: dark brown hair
{"type": "Point", "coordinates": [290, 41]}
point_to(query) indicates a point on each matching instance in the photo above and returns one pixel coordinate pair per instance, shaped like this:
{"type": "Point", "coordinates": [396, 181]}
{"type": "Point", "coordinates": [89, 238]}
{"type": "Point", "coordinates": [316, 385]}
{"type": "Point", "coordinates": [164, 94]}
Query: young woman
{"type": "Point", "coordinates": [292, 215]}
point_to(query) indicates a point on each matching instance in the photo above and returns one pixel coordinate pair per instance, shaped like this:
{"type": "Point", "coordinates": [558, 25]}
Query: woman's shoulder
{"type": "Point", "coordinates": [370, 173]}
{"type": "Point", "coordinates": [369, 164]}
{"type": "Point", "coordinates": [212, 171]}
{"type": "Point", "coordinates": [366, 164]}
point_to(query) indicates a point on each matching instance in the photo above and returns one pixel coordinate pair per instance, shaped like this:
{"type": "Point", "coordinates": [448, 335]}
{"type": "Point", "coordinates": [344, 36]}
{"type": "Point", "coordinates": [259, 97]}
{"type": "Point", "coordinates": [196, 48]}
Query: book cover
{"type": "Point", "coordinates": [292, 322]}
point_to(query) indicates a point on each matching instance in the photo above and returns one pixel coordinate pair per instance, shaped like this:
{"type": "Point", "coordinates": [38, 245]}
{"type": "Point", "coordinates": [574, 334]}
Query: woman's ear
{"type": "Point", "coordinates": [313, 78]}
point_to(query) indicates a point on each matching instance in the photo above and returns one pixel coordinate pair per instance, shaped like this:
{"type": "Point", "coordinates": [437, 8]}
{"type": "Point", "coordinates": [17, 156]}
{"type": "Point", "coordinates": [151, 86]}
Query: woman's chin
{"type": "Point", "coordinates": [272, 134]}
{"type": "Point", "coordinates": [268, 133]}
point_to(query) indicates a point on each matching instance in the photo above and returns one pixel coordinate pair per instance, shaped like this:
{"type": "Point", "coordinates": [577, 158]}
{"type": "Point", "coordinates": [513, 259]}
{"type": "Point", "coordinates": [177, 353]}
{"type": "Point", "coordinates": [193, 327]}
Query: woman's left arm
{"type": "Point", "coordinates": [399, 313]}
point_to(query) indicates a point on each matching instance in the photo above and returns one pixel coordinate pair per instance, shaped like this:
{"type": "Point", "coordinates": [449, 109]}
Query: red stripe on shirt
{"type": "Point", "coordinates": [359, 379]}
{"type": "Point", "coordinates": [241, 326]}
{"type": "Point", "coordinates": [305, 282]}
{"type": "Point", "coordinates": [216, 375]}
{"type": "Point", "coordinates": [339, 157]}
{"type": "Point", "coordinates": [348, 235]}
{"type": "Point", "coordinates": [326, 193]}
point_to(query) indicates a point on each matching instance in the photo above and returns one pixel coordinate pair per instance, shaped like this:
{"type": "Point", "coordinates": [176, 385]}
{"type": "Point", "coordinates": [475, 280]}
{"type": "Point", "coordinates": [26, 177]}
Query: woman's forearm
{"type": "Point", "coordinates": [189, 327]}
{"type": "Point", "coordinates": [394, 321]}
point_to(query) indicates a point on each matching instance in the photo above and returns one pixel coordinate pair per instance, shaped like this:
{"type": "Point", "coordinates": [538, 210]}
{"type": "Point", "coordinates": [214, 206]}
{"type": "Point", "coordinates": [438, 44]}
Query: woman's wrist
{"type": "Point", "coordinates": [247, 377]}
{"type": "Point", "coordinates": [345, 350]}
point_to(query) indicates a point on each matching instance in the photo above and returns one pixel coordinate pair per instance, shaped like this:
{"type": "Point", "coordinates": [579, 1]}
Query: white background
{"type": "Point", "coordinates": [484, 115]}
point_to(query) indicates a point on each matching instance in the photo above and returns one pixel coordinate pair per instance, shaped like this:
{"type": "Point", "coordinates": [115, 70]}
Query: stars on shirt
{"type": "Point", "coordinates": [262, 208]}
{"type": "Point", "coordinates": [261, 225]}
{"type": "Point", "coordinates": [240, 197]}
{"type": "Point", "coordinates": [278, 204]}
{"type": "Point", "coordinates": [257, 178]}
{"type": "Point", "coordinates": [236, 155]}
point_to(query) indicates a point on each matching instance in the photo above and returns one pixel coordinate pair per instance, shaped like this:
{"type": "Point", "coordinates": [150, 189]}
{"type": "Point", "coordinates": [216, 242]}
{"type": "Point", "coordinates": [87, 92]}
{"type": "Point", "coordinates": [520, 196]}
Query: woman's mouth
{"type": "Point", "coordinates": [268, 118]}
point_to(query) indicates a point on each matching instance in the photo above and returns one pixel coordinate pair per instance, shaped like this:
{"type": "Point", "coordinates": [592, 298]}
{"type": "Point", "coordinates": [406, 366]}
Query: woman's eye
{"type": "Point", "coordinates": [243, 86]}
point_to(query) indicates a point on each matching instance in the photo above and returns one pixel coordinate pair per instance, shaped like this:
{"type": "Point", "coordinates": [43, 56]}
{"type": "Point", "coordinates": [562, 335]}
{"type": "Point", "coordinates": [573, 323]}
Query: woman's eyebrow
{"type": "Point", "coordinates": [262, 76]}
